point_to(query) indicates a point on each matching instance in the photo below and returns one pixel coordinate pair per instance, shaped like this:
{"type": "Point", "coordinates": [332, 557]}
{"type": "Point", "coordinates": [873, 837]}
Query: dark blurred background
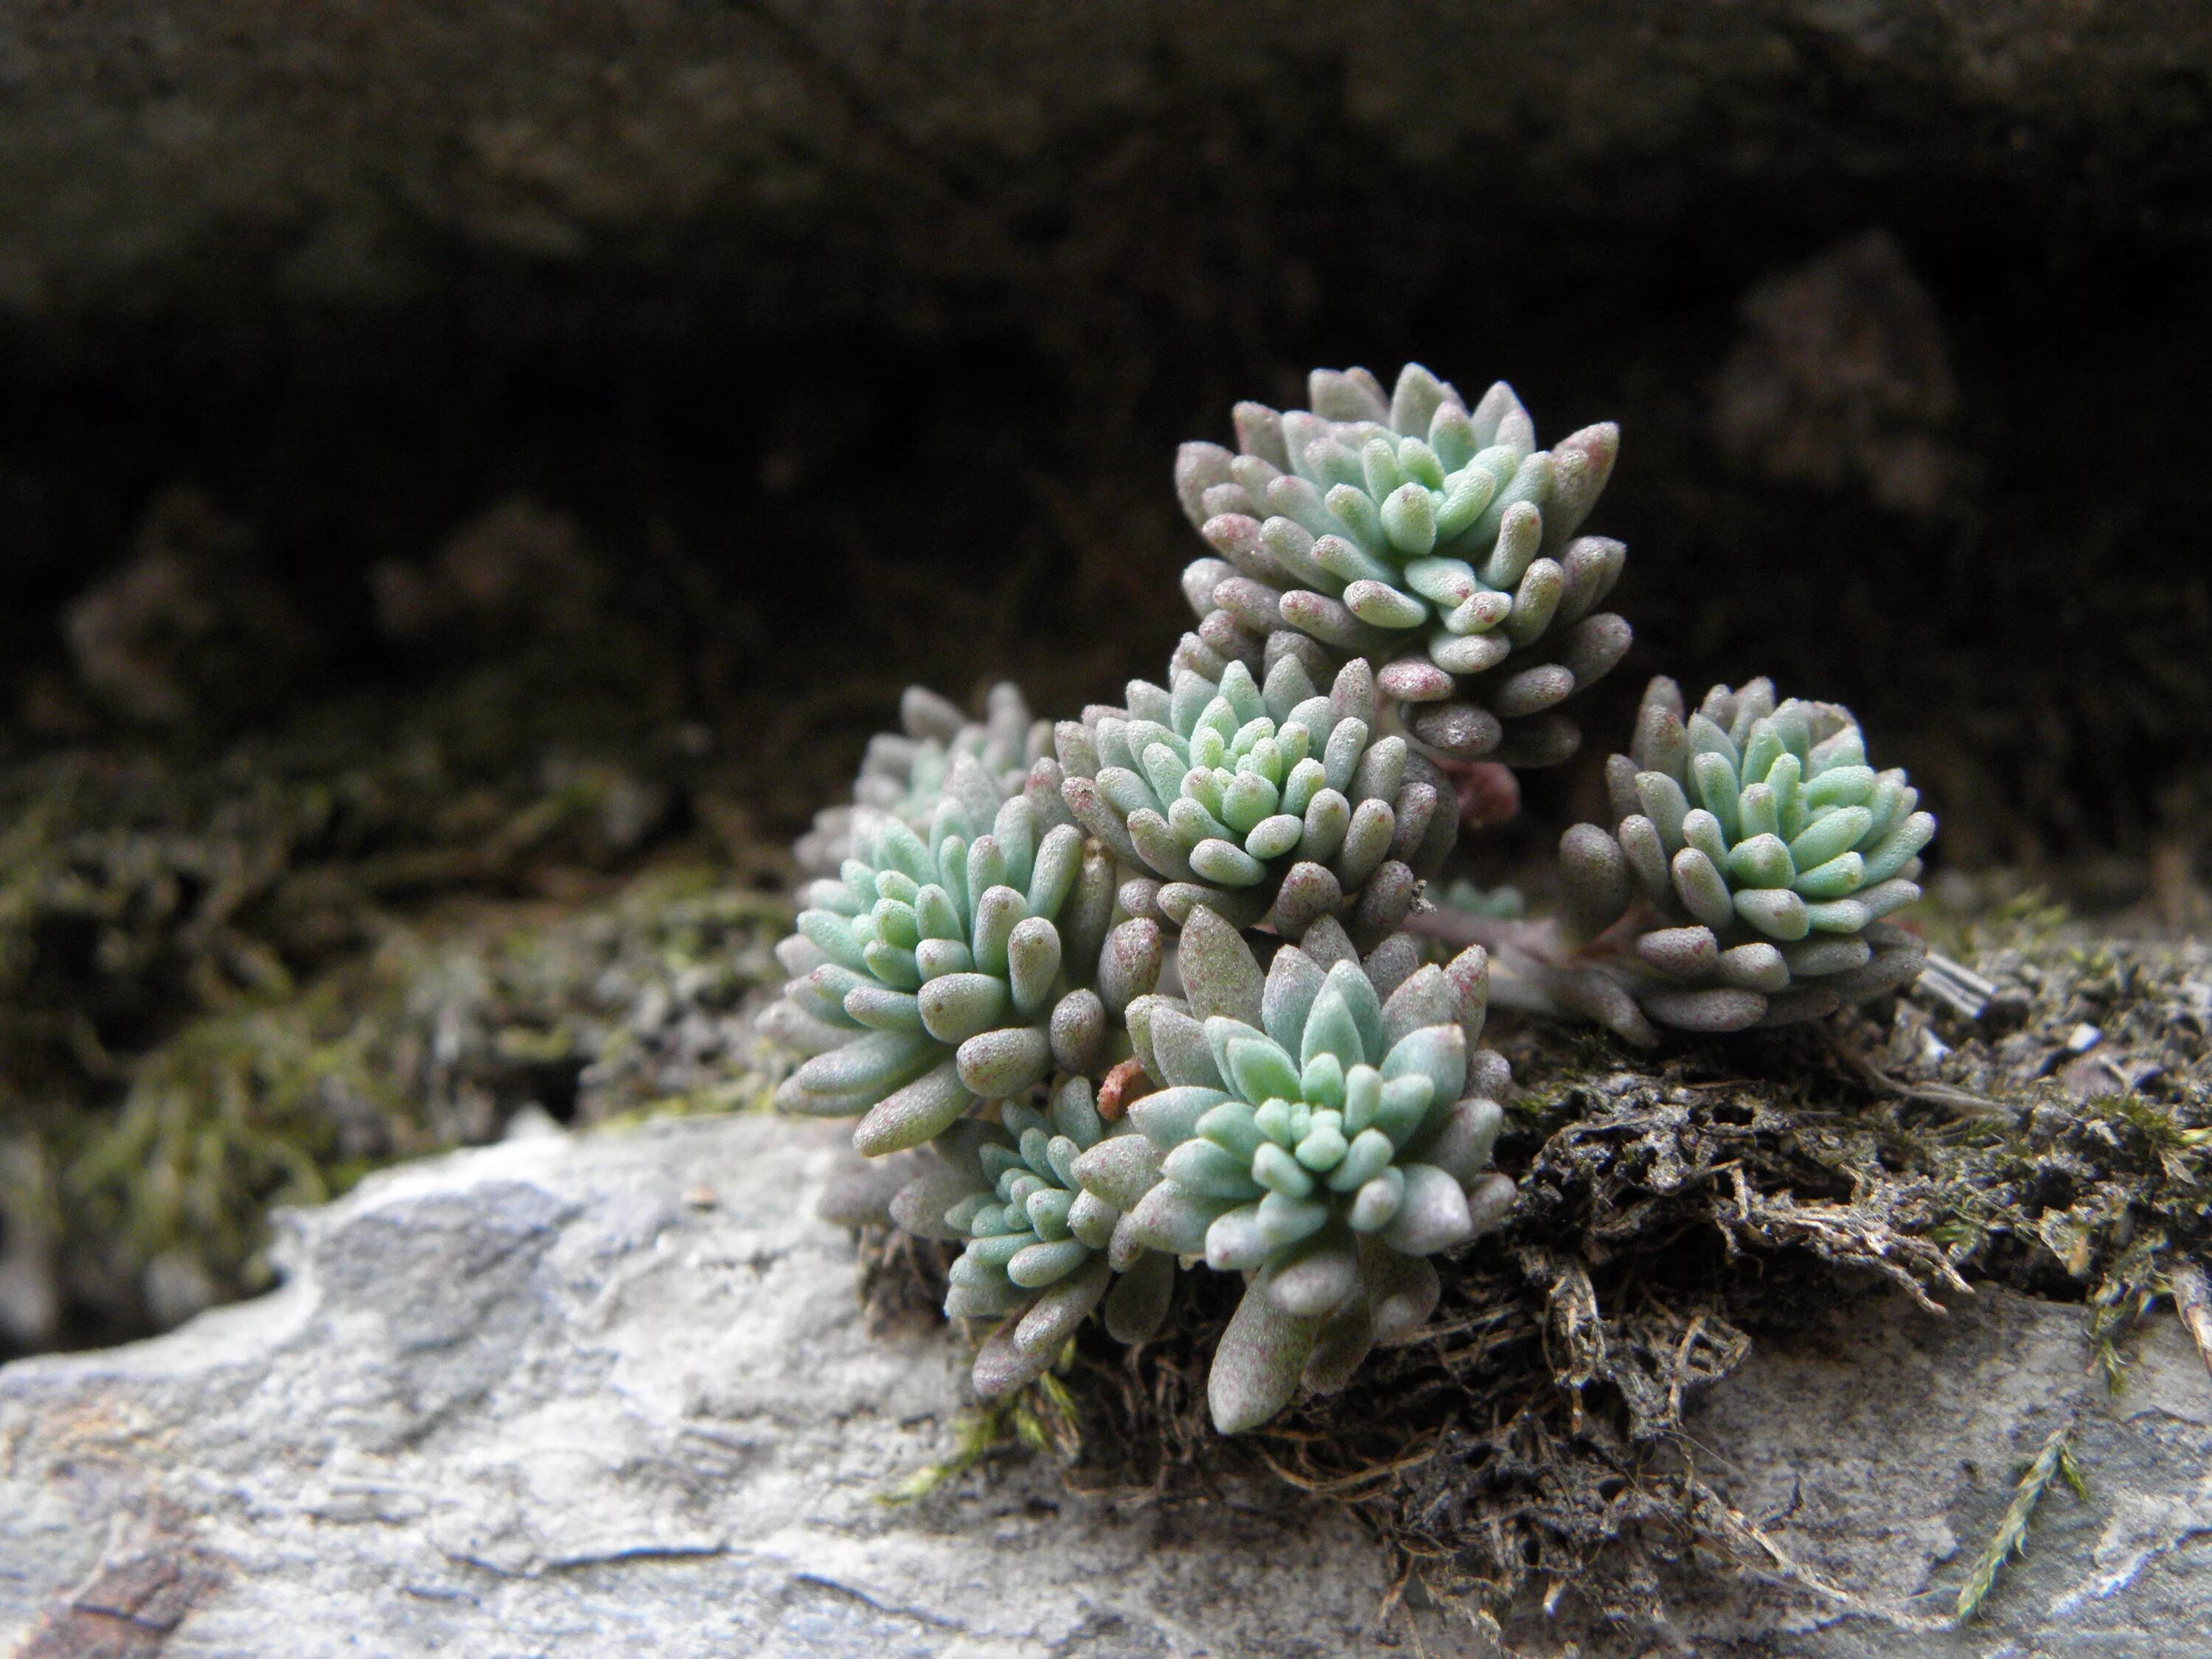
{"type": "Point", "coordinates": [462, 454]}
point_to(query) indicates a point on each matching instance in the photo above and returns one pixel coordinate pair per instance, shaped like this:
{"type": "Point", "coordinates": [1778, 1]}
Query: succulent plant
{"type": "Point", "coordinates": [1039, 1253]}
{"type": "Point", "coordinates": [1764, 850]}
{"type": "Point", "coordinates": [905, 773]}
{"type": "Point", "coordinates": [1032, 975]}
{"type": "Point", "coordinates": [1315, 1130]}
{"type": "Point", "coordinates": [1436, 540]}
{"type": "Point", "coordinates": [935, 971]}
{"type": "Point", "coordinates": [1272, 802]}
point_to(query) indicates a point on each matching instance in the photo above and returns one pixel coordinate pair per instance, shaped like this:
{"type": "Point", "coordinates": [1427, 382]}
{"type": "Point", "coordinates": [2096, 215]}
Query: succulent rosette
{"type": "Point", "coordinates": [1039, 1253]}
{"type": "Point", "coordinates": [1271, 802]}
{"type": "Point", "coordinates": [1435, 539]}
{"type": "Point", "coordinates": [1315, 1134]}
{"type": "Point", "coordinates": [936, 971]}
{"type": "Point", "coordinates": [1765, 851]}
{"type": "Point", "coordinates": [904, 773]}
{"type": "Point", "coordinates": [1032, 976]}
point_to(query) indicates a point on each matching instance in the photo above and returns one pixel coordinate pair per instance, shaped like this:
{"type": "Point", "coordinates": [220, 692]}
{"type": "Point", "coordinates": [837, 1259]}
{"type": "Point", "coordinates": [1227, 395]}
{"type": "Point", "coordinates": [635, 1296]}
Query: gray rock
{"type": "Point", "coordinates": [578, 1397]}
{"type": "Point", "coordinates": [1842, 370]}
{"type": "Point", "coordinates": [178, 158]}
{"type": "Point", "coordinates": [1880, 1454]}
{"type": "Point", "coordinates": [587, 1396]}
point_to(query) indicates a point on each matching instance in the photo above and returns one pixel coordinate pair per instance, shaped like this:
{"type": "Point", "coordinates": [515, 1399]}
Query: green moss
{"type": "Point", "coordinates": [230, 1117]}
{"type": "Point", "coordinates": [2054, 1462]}
{"type": "Point", "coordinates": [239, 974]}
{"type": "Point", "coordinates": [434, 1039]}
{"type": "Point", "coordinates": [1041, 1418]}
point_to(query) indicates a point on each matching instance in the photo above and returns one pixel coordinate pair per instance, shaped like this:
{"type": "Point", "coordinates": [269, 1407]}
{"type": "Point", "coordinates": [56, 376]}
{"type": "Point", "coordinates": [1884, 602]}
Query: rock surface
{"type": "Point", "coordinates": [581, 1397]}
{"type": "Point", "coordinates": [577, 1396]}
{"type": "Point", "coordinates": [1881, 1455]}
{"type": "Point", "coordinates": [262, 167]}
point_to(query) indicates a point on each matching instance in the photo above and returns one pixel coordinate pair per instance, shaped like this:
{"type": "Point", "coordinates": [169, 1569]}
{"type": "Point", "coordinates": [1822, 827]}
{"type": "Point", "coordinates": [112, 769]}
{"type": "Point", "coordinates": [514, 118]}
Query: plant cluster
{"type": "Point", "coordinates": [1159, 985]}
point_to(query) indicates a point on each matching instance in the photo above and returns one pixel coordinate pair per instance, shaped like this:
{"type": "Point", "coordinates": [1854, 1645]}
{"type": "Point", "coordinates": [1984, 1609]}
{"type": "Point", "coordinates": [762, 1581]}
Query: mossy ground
{"type": "Point", "coordinates": [241, 970]}
{"type": "Point", "coordinates": [1677, 1209]}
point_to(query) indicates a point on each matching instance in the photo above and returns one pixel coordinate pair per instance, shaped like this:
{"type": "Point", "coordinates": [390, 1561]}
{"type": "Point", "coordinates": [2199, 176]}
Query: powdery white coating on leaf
{"type": "Point", "coordinates": [1038, 1244]}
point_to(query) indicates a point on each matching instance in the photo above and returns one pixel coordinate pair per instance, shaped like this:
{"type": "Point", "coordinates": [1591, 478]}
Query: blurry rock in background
{"type": "Point", "coordinates": [516, 570]}
{"type": "Point", "coordinates": [190, 628]}
{"type": "Point", "coordinates": [1841, 376]}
